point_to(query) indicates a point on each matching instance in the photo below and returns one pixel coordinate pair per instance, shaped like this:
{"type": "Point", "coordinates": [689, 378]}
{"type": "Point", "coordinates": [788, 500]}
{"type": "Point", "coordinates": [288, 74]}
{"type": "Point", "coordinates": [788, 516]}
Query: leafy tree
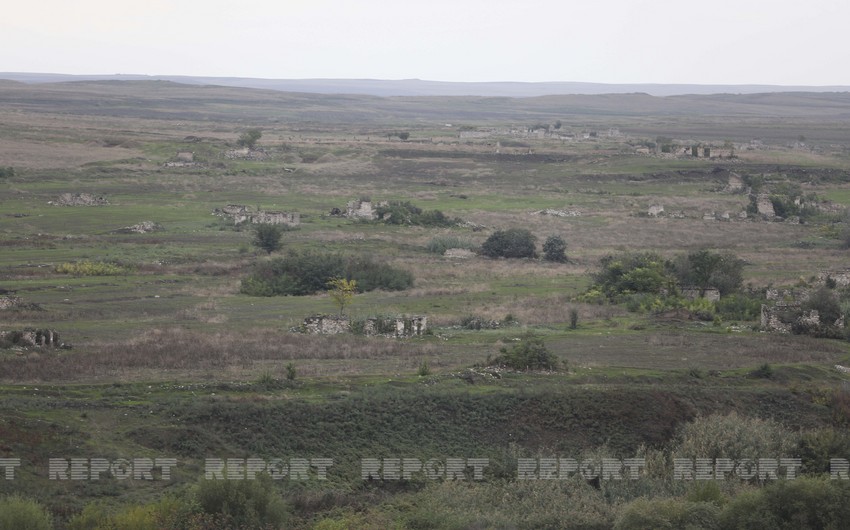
{"type": "Point", "coordinates": [705, 268]}
{"type": "Point", "coordinates": [404, 135]}
{"type": "Point", "coordinates": [249, 138]}
{"type": "Point", "coordinates": [342, 292]}
{"type": "Point", "coordinates": [512, 243]}
{"type": "Point", "coordinates": [644, 272]}
{"type": "Point", "coordinates": [267, 237]}
{"type": "Point", "coordinates": [554, 249]}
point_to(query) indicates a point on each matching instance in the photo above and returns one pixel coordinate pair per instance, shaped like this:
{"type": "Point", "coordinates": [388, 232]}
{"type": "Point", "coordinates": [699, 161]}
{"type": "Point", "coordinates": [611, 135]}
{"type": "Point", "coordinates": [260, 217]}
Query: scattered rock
{"type": "Point", "coordinates": [16, 303]}
{"type": "Point", "coordinates": [141, 228]}
{"type": "Point", "coordinates": [460, 253]}
{"type": "Point", "coordinates": [558, 213]}
{"type": "Point", "coordinates": [31, 338]}
{"type": "Point", "coordinates": [79, 199]}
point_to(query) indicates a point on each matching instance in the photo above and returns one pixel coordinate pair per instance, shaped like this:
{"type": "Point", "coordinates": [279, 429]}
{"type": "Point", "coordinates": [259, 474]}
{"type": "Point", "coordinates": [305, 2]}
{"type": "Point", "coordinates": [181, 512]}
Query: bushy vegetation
{"type": "Point", "coordinates": [555, 249]}
{"type": "Point", "coordinates": [249, 138]}
{"type": "Point", "coordinates": [90, 268]}
{"type": "Point", "coordinates": [530, 353]}
{"type": "Point", "coordinates": [267, 237]}
{"type": "Point", "coordinates": [303, 273]}
{"type": "Point", "coordinates": [734, 436]}
{"type": "Point", "coordinates": [405, 213]}
{"type": "Point", "coordinates": [20, 513]}
{"type": "Point", "coordinates": [440, 244]}
{"type": "Point", "coordinates": [646, 282]}
{"type": "Point", "coordinates": [704, 268]}
{"type": "Point", "coordinates": [7, 172]}
{"type": "Point", "coordinates": [629, 273]}
{"type": "Point", "coordinates": [511, 243]}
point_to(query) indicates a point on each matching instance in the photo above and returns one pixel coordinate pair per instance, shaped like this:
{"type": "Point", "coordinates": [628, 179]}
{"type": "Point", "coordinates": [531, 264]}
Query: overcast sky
{"type": "Point", "coordinates": [606, 41]}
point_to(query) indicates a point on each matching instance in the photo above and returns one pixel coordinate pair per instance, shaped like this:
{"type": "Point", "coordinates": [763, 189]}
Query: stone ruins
{"type": "Point", "coordinates": [78, 199]}
{"type": "Point", "coordinates": [363, 209]}
{"type": "Point", "coordinates": [392, 327]}
{"type": "Point", "coordinates": [243, 214]}
{"type": "Point", "coordinates": [31, 338]}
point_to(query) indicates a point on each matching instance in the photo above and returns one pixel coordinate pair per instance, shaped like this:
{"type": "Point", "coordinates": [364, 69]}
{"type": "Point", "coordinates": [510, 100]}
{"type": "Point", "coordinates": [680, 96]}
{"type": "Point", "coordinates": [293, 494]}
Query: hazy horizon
{"type": "Point", "coordinates": [749, 42]}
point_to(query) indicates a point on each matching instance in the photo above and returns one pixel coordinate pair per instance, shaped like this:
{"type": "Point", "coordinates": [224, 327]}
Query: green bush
{"type": "Point", "coordinates": [405, 213]}
{"type": "Point", "coordinates": [554, 249]}
{"type": "Point", "coordinates": [309, 272]}
{"type": "Point", "coordinates": [791, 504]}
{"type": "Point", "coordinates": [654, 514]}
{"type": "Point", "coordinates": [244, 503]}
{"type": "Point", "coordinates": [529, 354]}
{"type": "Point", "coordinates": [267, 237]}
{"type": "Point", "coordinates": [90, 268]}
{"type": "Point", "coordinates": [705, 268]}
{"type": "Point", "coordinates": [740, 306]}
{"type": "Point", "coordinates": [644, 272]}
{"type": "Point", "coordinates": [816, 448]}
{"type": "Point", "coordinates": [733, 436]}
{"type": "Point", "coordinates": [512, 243]}
{"type": "Point", "coordinates": [19, 513]}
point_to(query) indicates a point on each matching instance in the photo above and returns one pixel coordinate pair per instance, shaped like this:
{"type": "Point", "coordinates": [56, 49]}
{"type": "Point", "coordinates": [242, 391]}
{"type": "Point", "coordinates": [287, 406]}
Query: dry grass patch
{"type": "Point", "coordinates": [162, 351]}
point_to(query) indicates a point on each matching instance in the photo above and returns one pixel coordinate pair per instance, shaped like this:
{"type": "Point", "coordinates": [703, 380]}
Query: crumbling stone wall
{"type": "Point", "coordinates": [780, 316]}
{"type": "Point", "coordinates": [242, 214]}
{"type": "Point", "coordinates": [359, 209]}
{"type": "Point", "coordinates": [31, 337]}
{"type": "Point", "coordinates": [395, 327]}
{"type": "Point", "coordinates": [712, 294]}
{"type": "Point", "coordinates": [79, 199]}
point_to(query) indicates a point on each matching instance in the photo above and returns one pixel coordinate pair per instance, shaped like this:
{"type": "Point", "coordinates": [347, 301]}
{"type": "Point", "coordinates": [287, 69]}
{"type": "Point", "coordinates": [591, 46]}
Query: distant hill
{"type": "Point", "coordinates": [418, 87]}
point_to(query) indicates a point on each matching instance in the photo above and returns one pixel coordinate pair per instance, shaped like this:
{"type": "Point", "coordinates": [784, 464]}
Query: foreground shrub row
{"type": "Point", "coordinates": [303, 273]}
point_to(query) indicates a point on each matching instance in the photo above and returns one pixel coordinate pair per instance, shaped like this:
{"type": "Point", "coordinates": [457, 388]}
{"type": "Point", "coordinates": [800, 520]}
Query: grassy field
{"type": "Point", "coordinates": [169, 358]}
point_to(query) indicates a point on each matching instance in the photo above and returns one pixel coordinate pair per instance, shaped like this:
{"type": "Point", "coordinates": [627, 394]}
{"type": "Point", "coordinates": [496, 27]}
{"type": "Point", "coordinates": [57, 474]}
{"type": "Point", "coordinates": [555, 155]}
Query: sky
{"type": "Point", "coordinates": [776, 42]}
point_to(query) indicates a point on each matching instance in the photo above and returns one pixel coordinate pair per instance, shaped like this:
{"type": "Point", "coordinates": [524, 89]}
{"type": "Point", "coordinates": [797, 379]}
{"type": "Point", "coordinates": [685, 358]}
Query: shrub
{"type": "Point", "coordinates": [512, 243]}
{"type": "Point", "coordinates": [705, 268]}
{"type": "Point", "coordinates": [245, 503]}
{"type": "Point", "coordinates": [652, 514]}
{"type": "Point", "coordinates": [739, 306]}
{"type": "Point", "coordinates": [791, 504]}
{"type": "Point", "coordinates": [90, 268]}
{"type": "Point", "coordinates": [554, 249]}
{"type": "Point", "coordinates": [249, 138]}
{"type": "Point", "coordinates": [19, 513]}
{"type": "Point", "coordinates": [644, 272]}
{"type": "Point", "coordinates": [309, 272]}
{"type": "Point", "coordinates": [267, 237]}
{"type": "Point", "coordinates": [816, 448]}
{"type": "Point", "coordinates": [733, 436]}
{"type": "Point", "coordinates": [405, 213]}
{"type": "Point", "coordinates": [529, 354]}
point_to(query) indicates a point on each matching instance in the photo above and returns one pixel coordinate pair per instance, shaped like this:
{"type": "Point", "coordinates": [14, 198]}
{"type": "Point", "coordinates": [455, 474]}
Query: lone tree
{"type": "Point", "coordinates": [267, 237]}
{"type": "Point", "coordinates": [554, 249]}
{"type": "Point", "coordinates": [512, 243]}
{"type": "Point", "coordinates": [342, 292]}
{"type": "Point", "coordinates": [249, 138]}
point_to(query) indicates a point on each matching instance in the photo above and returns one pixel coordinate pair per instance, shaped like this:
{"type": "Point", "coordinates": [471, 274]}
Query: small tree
{"type": "Point", "coordinates": [249, 138]}
{"type": "Point", "coordinates": [554, 249]}
{"type": "Point", "coordinates": [267, 237]}
{"type": "Point", "coordinates": [342, 292]}
{"type": "Point", "coordinates": [512, 243]}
